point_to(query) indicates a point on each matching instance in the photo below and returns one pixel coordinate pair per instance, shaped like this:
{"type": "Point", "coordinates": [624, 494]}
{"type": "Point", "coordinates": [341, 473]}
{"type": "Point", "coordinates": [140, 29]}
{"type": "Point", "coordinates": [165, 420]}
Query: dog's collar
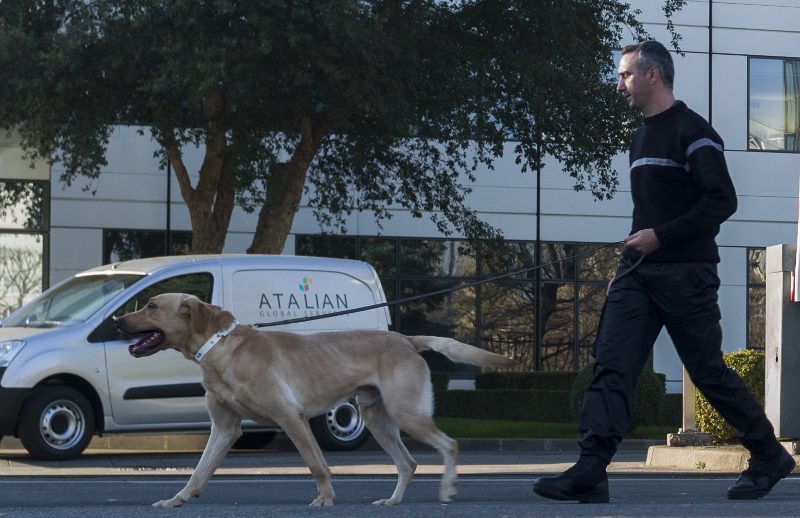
{"type": "Point", "coordinates": [211, 342]}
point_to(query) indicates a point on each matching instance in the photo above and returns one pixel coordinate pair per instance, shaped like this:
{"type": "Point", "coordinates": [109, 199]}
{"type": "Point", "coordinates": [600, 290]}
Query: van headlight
{"type": "Point", "coordinates": [8, 350]}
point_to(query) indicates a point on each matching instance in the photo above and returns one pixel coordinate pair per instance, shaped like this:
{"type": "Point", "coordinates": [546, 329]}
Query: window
{"type": "Point", "coordinates": [756, 298]}
{"type": "Point", "coordinates": [500, 315]}
{"type": "Point", "coordinates": [197, 284]}
{"type": "Point", "coordinates": [23, 242]}
{"type": "Point", "coordinates": [123, 245]}
{"type": "Point", "coordinates": [774, 105]}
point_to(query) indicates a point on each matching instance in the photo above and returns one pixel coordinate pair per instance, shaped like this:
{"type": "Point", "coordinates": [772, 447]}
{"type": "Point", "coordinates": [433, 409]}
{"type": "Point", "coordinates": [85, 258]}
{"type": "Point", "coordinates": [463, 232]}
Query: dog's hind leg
{"type": "Point", "coordinates": [225, 429]}
{"type": "Point", "coordinates": [412, 410]}
{"type": "Point", "coordinates": [299, 432]}
{"type": "Point", "coordinates": [387, 434]}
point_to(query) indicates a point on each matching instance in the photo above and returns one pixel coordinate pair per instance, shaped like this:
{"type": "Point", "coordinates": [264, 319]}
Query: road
{"type": "Point", "coordinates": [287, 496]}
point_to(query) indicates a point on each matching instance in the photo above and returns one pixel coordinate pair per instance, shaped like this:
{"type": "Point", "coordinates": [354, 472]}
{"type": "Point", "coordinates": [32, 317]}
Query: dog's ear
{"type": "Point", "coordinates": [198, 313]}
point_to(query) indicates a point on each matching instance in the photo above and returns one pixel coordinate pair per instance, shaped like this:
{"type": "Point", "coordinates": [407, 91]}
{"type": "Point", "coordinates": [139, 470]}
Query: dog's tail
{"type": "Point", "coordinates": [460, 352]}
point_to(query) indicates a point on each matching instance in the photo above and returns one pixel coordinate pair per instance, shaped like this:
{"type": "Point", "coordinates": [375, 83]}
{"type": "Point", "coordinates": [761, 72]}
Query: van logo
{"type": "Point", "coordinates": [282, 304]}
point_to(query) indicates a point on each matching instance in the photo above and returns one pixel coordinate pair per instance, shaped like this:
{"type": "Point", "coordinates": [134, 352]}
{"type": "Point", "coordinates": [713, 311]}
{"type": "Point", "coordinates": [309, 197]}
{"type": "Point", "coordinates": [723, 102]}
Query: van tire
{"type": "Point", "coordinates": [341, 428]}
{"type": "Point", "coordinates": [56, 423]}
{"type": "Point", "coordinates": [254, 440]}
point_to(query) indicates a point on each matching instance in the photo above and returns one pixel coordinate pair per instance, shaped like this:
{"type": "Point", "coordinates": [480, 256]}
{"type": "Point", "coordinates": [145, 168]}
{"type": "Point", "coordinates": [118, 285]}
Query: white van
{"type": "Point", "coordinates": [65, 371]}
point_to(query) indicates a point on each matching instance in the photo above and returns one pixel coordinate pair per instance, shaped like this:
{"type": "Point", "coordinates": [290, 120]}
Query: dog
{"type": "Point", "coordinates": [288, 378]}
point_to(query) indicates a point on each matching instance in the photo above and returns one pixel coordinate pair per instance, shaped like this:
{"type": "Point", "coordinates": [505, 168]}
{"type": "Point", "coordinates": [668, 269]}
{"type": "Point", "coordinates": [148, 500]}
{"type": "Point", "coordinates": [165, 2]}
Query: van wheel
{"type": "Point", "coordinates": [254, 440]}
{"type": "Point", "coordinates": [340, 428]}
{"type": "Point", "coordinates": [56, 423]}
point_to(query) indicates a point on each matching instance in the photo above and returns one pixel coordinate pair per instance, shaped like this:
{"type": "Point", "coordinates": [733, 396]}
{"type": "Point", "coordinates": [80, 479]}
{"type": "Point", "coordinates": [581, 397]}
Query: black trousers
{"type": "Point", "coordinates": [682, 297]}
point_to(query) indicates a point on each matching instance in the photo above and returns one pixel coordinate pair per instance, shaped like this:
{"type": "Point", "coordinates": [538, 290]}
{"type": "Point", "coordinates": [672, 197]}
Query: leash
{"type": "Point", "coordinates": [446, 290]}
{"type": "Point", "coordinates": [626, 272]}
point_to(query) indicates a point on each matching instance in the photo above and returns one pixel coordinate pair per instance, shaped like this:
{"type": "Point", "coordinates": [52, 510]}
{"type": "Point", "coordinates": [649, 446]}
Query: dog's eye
{"type": "Point", "coordinates": [151, 305]}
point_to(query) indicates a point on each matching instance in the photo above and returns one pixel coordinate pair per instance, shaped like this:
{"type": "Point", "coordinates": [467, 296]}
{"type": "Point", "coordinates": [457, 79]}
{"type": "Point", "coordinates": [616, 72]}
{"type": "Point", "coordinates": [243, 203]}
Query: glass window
{"type": "Point", "coordinates": [197, 284]}
{"type": "Point", "coordinates": [124, 245]}
{"type": "Point", "coordinates": [342, 247]}
{"type": "Point", "coordinates": [598, 262]}
{"type": "Point", "coordinates": [20, 270]}
{"type": "Point", "coordinates": [73, 301]}
{"type": "Point", "coordinates": [756, 298]}
{"type": "Point", "coordinates": [558, 261]}
{"type": "Point", "coordinates": [558, 327]}
{"type": "Point", "coordinates": [508, 321]}
{"type": "Point", "coordinates": [591, 298]}
{"type": "Point", "coordinates": [509, 257]}
{"type": "Point", "coordinates": [23, 205]}
{"type": "Point", "coordinates": [774, 105]}
{"type": "Point", "coordinates": [381, 253]}
{"type": "Point", "coordinates": [435, 258]}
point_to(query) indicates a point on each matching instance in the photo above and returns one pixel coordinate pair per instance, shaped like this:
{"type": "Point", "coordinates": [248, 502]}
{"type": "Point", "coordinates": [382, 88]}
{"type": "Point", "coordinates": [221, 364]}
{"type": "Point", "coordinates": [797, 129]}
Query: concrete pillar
{"type": "Point", "coordinates": [782, 394]}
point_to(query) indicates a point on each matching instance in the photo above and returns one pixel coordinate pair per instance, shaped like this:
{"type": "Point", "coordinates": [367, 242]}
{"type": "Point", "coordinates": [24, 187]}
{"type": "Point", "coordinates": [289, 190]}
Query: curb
{"type": "Point", "coordinates": [190, 442]}
{"type": "Point", "coordinates": [732, 459]}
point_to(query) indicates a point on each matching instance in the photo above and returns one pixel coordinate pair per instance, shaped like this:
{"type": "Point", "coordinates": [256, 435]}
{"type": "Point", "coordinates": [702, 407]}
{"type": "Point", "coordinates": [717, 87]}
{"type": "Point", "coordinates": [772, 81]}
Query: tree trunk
{"type": "Point", "coordinates": [211, 203]}
{"type": "Point", "coordinates": [285, 190]}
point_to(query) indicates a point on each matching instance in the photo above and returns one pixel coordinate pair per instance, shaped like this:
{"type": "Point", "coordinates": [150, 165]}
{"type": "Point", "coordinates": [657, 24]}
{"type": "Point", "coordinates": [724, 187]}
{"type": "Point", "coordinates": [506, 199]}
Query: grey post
{"type": "Point", "coordinates": [782, 392]}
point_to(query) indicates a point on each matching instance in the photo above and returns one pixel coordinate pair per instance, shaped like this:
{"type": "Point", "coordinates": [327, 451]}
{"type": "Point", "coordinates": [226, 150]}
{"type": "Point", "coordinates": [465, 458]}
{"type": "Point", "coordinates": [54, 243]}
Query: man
{"type": "Point", "coordinates": [667, 277]}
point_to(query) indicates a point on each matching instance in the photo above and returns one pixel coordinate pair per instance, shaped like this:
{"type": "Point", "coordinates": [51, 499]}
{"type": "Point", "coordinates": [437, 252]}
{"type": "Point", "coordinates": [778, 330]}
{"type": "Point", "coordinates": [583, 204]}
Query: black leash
{"type": "Point", "coordinates": [442, 292]}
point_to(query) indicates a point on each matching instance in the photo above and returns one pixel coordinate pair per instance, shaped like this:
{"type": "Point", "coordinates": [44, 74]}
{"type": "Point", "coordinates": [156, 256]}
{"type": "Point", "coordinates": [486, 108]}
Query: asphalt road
{"type": "Point", "coordinates": [287, 496]}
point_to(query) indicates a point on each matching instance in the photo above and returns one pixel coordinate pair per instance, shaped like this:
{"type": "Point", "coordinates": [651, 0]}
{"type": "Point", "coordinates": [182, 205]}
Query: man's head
{"type": "Point", "coordinates": [646, 75]}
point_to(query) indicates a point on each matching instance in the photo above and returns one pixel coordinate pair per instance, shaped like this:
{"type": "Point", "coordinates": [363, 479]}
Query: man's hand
{"type": "Point", "coordinates": [645, 241]}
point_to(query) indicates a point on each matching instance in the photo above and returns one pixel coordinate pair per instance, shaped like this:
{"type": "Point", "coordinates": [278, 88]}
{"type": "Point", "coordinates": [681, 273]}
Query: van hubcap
{"type": "Point", "coordinates": [344, 422]}
{"type": "Point", "coordinates": [62, 424]}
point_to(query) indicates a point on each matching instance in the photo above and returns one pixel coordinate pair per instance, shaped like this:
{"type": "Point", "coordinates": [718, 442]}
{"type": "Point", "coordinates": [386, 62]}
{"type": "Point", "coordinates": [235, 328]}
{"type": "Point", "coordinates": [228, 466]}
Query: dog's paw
{"type": "Point", "coordinates": [175, 501]}
{"type": "Point", "coordinates": [447, 494]}
{"type": "Point", "coordinates": [320, 501]}
{"type": "Point", "coordinates": [386, 501]}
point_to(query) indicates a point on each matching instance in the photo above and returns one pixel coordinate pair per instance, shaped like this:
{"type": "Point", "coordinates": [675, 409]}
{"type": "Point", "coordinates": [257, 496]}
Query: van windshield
{"type": "Point", "coordinates": [72, 302]}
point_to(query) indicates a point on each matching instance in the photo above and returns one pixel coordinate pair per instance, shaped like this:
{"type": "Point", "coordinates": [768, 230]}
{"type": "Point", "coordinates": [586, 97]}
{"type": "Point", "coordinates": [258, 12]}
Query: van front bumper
{"type": "Point", "coordinates": [11, 400]}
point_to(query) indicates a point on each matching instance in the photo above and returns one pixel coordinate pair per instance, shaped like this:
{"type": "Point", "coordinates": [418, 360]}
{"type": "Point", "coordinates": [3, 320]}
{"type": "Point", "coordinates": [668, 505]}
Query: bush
{"type": "Point", "coordinates": [510, 405]}
{"type": "Point", "coordinates": [647, 403]}
{"type": "Point", "coordinates": [525, 380]}
{"type": "Point", "coordinates": [749, 365]}
{"type": "Point", "coordinates": [440, 381]}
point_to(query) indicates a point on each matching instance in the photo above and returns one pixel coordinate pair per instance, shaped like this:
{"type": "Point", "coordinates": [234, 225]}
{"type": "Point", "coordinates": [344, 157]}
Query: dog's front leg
{"type": "Point", "coordinates": [225, 429]}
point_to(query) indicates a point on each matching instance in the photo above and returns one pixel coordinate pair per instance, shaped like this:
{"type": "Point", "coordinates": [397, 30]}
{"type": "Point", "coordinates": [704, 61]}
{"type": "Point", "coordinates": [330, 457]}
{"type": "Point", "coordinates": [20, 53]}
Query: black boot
{"type": "Point", "coordinates": [760, 476]}
{"type": "Point", "coordinates": [586, 482]}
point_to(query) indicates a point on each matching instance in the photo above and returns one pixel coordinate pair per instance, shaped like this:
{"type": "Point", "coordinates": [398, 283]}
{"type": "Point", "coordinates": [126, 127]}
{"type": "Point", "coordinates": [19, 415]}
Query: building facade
{"type": "Point", "coordinates": [740, 69]}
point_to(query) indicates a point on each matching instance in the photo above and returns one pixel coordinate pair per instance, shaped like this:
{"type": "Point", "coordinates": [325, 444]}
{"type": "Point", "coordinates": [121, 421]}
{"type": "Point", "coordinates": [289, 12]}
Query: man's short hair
{"type": "Point", "coordinates": [654, 54]}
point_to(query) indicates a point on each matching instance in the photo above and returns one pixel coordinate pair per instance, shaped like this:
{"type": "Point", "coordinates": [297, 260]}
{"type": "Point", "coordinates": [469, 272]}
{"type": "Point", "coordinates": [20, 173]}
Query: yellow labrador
{"type": "Point", "coordinates": [288, 378]}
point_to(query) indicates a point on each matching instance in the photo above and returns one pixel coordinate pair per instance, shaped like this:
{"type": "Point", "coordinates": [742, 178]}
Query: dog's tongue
{"type": "Point", "coordinates": [148, 342]}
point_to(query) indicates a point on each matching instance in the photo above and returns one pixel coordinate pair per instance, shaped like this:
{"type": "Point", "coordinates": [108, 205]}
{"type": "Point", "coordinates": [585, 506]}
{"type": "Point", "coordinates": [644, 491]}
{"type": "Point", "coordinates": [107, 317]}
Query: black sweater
{"type": "Point", "coordinates": [680, 185]}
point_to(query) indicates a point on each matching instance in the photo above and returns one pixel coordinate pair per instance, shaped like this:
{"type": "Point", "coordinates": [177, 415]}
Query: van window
{"type": "Point", "coordinates": [198, 284]}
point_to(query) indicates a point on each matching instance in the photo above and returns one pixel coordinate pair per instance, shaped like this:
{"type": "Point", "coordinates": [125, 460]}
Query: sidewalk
{"type": "Point", "coordinates": [171, 455]}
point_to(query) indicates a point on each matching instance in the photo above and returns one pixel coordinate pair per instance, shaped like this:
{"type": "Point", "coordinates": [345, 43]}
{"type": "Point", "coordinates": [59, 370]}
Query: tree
{"type": "Point", "coordinates": [364, 104]}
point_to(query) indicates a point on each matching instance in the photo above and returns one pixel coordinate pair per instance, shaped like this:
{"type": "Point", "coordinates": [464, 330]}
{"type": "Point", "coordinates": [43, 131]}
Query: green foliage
{"type": "Point", "coordinates": [647, 402]}
{"type": "Point", "coordinates": [369, 104]}
{"type": "Point", "coordinates": [562, 381]}
{"type": "Point", "coordinates": [512, 405]}
{"type": "Point", "coordinates": [440, 381]}
{"type": "Point", "coordinates": [749, 365]}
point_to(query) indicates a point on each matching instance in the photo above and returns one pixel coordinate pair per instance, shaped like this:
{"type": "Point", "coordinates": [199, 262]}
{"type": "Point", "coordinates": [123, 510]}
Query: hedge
{"type": "Point", "coordinates": [749, 365]}
{"type": "Point", "coordinates": [505, 404]}
{"type": "Point", "coordinates": [526, 380]}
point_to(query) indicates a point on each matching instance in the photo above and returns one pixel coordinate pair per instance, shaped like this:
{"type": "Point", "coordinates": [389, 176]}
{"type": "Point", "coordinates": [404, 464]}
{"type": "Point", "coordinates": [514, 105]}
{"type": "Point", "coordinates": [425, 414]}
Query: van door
{"type": "Point", "coordinates": [164, 388]}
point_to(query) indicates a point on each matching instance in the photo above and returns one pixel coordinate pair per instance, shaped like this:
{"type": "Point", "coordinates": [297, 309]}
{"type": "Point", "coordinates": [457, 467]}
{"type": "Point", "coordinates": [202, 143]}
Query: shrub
{"type": "Point", "coordinates": [749, 365]}
{"type": "Point", "coordinates": [647, 402]}
{"type": "Point", "coordinates": [525, 380]}
{"type": "Point", "coordinates": [440, 381]}
{"type": "Point", "coordinates": [511, 405]}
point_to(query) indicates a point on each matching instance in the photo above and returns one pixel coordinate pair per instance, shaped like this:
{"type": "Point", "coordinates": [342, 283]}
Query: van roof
{"type": "Point", "coordinates": [152, 265]}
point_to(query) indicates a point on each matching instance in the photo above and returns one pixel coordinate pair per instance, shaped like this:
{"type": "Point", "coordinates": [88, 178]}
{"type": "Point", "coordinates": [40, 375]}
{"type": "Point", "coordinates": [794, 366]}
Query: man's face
{"type": "Point", "coordinates": [634, 83]}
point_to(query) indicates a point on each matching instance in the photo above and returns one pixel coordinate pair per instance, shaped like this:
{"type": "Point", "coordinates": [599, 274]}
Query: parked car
{"type": "Point", "coordinates": [65, 371]}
